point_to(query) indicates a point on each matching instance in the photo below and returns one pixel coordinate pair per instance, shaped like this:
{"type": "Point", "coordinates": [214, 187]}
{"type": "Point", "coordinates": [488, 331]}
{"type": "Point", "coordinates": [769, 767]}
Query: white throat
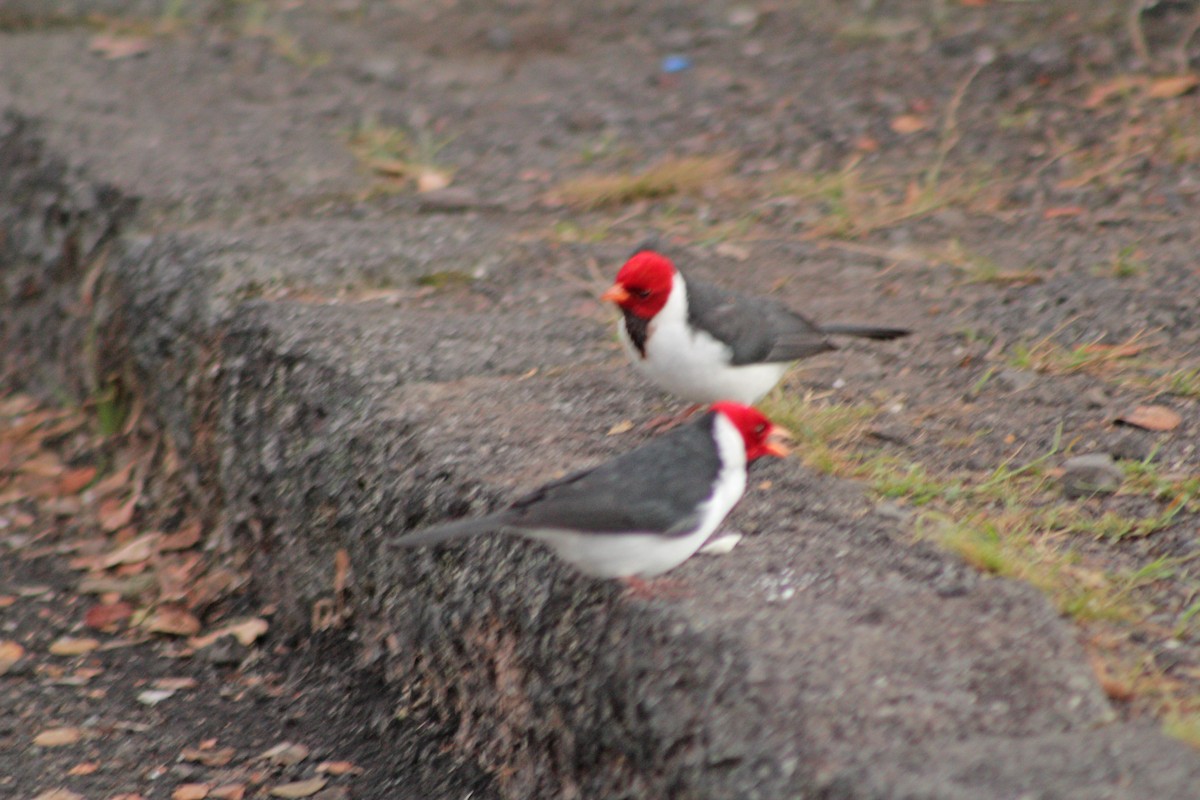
{"type": "Point", "coordinates": [691, 363]}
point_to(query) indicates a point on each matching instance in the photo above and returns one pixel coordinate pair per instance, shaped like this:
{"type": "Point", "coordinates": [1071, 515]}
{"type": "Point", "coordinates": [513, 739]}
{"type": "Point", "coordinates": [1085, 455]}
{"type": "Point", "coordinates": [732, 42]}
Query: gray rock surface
{"type": "Point", "coordinates": [1089, 474]}
{"type": "Point", "coordinates": [328, 400]}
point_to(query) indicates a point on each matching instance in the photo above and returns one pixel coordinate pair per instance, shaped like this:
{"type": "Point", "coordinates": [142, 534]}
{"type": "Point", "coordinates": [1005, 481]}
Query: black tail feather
{"type": "Point", "coordinates": [458, 529]}
{"type": "Point", "coordinates": [865, 331]}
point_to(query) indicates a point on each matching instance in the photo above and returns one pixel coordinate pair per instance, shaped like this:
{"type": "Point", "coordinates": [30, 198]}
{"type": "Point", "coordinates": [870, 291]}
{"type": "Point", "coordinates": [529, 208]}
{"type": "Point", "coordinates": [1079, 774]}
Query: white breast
{"type": "Point", "coordinates": [693, 365]}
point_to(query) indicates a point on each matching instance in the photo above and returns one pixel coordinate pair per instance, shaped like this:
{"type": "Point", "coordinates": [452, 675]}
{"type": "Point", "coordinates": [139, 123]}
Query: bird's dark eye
{"type": "Point", "coordinates": [760, 429]}
{"type": "Point", "coordinates": [642, 293]}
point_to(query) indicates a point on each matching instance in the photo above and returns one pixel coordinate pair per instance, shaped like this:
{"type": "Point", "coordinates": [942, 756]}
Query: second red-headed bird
{"type": "Point", "coordinates": [642, 513]}
{"type": "Point", "coordinates": [703, 343]}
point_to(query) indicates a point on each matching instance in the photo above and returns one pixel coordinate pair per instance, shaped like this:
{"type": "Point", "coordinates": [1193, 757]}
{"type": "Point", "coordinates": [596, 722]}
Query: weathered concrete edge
{"type": "Point", "coordinates": [649, 719]}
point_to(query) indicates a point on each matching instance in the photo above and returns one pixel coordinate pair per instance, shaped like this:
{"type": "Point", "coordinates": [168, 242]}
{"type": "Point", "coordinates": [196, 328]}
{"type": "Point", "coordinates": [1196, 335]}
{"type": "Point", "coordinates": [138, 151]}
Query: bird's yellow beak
{"type": "Point", "coordinates": [774, 446]}
{"type": "Point", "coordinates": [616, 294]}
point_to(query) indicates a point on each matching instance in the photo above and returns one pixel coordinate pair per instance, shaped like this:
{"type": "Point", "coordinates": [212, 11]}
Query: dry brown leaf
{"type": "Point", "coordinates": [624, 426]}
{"type": "Point", "coordinates": [113, 46]}
{"type": "Point", "coordinates": [299, 788]}
{"type": "Point", "coordinates": [7, 600]}
{"type": "Point", "coordinates": [10, 654]}
{"type": "Point", "coordinates": [175, 684]}
{"type": "Point", "coordinates": [115, 482]}
{"type": "Point", "coordinates": [1100, 94]}
{"type": "Point", "coordinates": [174, 621]}
{"type": "Point", "coordinates": [1173, 86]}
{"type": "Point", "coordinates": [56, 737]}
{"type": "Point", "coordinates": [59, 794]}
{"type": "Point", "coordinates": [1058, 212]}
{"type": "Point", "coordinates": [106, 615]}
{"type": "Point", "coordinates": [341, 569]}
{"type": "Point", "coordinates": [84, 768]}
{"type": "Point", "coordinates": [16, 405]}
{"type": "Point", "coordinates": [1126, 350]}
{"type": "Point", "coordinates": [286, 753]}
{"type": "Point", "coordinates": [909, 123]}
{"type": "Point", "coordinates": [115, 514]}
{"type": "Point", "coordinates": [209, 758]}
{"type": "Point", "coordinates": [246, 632]}
{"type": "Point", "coordinates": [1152, 418]}
{"type": "Point", "coordinates": [190, 791]}
{"type": "Point", "coordinates": [210, 587]}
{"type": "Point", "coordinates": [134, 551]}
{"type": "Point", "coordinates": [44, 465]}
{"type": "Point", "coordinates": [229, 791]}
{"type": "Point", "coordinates": [75, 480]}
{"type": "Point", "coordinates": [70, 646]}
{"type": "Point", "coordinates": [339, 768]}
{"type": "Point", "coordinates": [175, 577]}
{"type": "Point", "coordinates": [182, 539]}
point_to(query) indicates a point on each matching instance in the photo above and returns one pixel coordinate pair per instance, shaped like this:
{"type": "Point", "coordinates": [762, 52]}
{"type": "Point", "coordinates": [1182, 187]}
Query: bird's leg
{"type": "Point", "coordinates": [665, 422]}
{"type": "Point", "coordinates": [656, 589]}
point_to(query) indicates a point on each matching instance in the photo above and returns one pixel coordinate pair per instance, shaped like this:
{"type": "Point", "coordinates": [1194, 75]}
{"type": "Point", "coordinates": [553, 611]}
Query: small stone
{"type": "Point", "coordinates": [895, 433]}
{"type": "Point", "coordinates": [1087, 475]}
{"type": "Point", "coordinates": [1133, 446]}
{"type": "Point", "coordinates": [1095, 397]}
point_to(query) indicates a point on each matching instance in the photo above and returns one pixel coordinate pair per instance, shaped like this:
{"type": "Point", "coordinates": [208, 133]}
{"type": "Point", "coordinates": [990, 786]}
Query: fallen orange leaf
{"type": "Point", "coordinates": [190, 791]}
{"type": "Point", "coordinates": [1058, 212]}
{"type": "Point", "coordinates": [70, 646]}
{"type": "Point", "coordinates": [339, 768]}
{"type": "Point", "coordinates": [174, 621]}
{"type": "Point", "coordinates": [10, 654]}
{"type": "Point", "coordinates": [113, 46]}
{"type": "Point", "coordinates": [132, 552]}
{"type": "Point", "coordinates": [908, 123]}
{"type": "Point", "coordinates": [84, 768]}
{"type": "Point", "coordinates": [299, 788]}
{"type": "Point", "coordinates": [182, 539]}
{"type": "Point", "coordinates": [105, 615]}
{"type": "Point", "coordinates": [246, 632]}
{"type": "Point", "coordinates": [1100, 94]}
{"type": "Point", "coordinates": [1152, 418]}
{"type": "Point", "coordinates": [60, 794]}
{"type": "Point", "coordinates": [56, 737]}
{"type": "Point", "coordinates": [1115, 350]}
{"type": "Point", "coordinates": [230, 791]}
{"type": "Point", "coordinates": [75, 480]}
{"type": "Point", "coordinates": [209, 758]}
{"type": "Point", "coordinates": [1174, 86]}
{"type": "Point", "coordinates": [115, 514]}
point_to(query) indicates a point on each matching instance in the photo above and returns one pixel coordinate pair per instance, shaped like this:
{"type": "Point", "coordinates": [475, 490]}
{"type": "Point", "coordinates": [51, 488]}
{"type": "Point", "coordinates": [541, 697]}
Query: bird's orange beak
{"type": "Point", "coordinates": [775, 447]}
{"type": "Point", "coordinates": [616, 294]}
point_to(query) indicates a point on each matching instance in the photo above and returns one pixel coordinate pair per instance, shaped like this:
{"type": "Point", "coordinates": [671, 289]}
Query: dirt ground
{"type": "Point", "coordinates": [1018, 182]}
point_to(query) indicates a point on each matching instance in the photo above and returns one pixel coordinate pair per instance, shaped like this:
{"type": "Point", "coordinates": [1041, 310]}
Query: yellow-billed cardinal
{"type": "Point", "coordinates": [703, 343]}
{"type": "Point", "coordinates": [644, 512]}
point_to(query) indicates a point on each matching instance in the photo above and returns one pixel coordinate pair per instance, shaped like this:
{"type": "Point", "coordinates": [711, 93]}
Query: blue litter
{"type": "Point", "coordinates": [676, 64]}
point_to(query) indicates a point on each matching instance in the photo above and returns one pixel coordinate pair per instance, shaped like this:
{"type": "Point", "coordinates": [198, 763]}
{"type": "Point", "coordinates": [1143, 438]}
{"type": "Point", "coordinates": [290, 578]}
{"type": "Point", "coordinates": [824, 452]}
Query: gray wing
{"type": "Point", "coordinates": [755, 329]}
{"type": "Point", "coordinates": [653, 489]}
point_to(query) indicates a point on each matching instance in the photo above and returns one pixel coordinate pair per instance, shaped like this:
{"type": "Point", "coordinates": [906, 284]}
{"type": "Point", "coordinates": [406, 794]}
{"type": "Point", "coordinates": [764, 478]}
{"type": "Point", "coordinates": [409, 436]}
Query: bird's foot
{"type": "Point", "coordinates": [656, 589]}
{"type": "Point", "coordinates": [665, 422]}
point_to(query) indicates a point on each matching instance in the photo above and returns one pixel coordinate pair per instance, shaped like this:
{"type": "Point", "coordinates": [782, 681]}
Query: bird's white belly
{"type": "Point", "coordinates": [620, 555]}
{"type": "Point", "coordinates": [695, 367]}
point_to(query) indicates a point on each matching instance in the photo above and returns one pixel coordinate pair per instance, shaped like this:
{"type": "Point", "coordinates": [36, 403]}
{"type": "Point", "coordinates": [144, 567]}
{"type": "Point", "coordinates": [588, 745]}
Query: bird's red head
{"type": "Point", "coordinates": [643, 284]}
{"type": "Point", "coordinates": [759, 433]}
